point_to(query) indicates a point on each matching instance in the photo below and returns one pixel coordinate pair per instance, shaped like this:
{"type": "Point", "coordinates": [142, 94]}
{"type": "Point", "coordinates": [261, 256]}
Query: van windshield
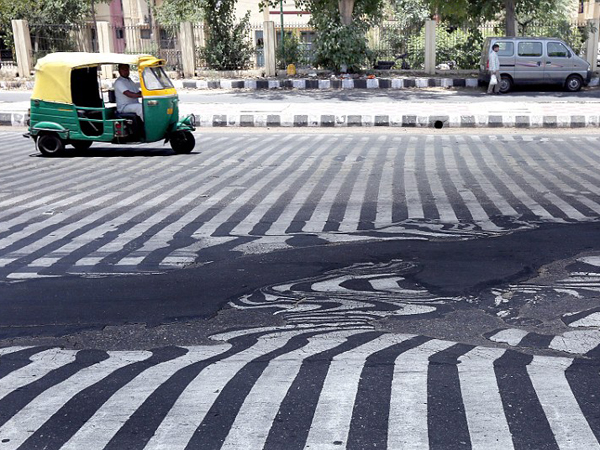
{"type": "Point", "coordinates": [156, 79]}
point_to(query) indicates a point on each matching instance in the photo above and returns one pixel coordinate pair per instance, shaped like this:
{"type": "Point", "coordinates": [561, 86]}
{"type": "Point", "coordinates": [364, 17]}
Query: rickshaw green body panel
{"type": "Point", "coordinates": [160, 116]}
{"type": "Point", "coordinates": [64, 119]}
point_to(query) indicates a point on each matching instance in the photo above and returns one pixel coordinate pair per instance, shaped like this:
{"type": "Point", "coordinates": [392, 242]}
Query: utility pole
{"type": "Point", "coordinates": [282, 33]}
{"type": "Point", "coordinates": [94, 41]}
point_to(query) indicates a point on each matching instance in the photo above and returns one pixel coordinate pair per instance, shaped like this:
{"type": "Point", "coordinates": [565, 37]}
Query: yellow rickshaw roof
{"type": "Point", "coordinates": [53, 71]}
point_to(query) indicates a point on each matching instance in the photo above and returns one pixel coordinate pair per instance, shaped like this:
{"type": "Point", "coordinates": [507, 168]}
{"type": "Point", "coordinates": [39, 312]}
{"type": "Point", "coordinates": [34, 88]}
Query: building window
{"type": "Point", "coordinates": [145, 33]}
{"type": "Point", "coordinates": [119, 33]}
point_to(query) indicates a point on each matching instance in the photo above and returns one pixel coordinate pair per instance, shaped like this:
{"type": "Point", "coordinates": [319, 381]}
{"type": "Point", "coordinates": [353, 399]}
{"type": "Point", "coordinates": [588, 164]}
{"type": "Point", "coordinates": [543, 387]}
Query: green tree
{"type": "Point", "coordinates": [42, 15]}
{"type": "Point", "coordinates": [174, 12]}
{"type": "Point", "coordinates": [227, 45]}
{"type": "Point", "coordinates": [341, 27]}
{"type": "Point", "coordinates": [479, 11]}
{"type": "Point", "coordinates": [407, 13]}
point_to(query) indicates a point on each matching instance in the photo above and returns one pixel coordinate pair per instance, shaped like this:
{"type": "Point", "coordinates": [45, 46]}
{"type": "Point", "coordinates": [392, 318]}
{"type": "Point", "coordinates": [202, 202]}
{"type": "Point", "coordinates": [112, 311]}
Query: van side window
{"type": "Point", "coordinates": [557, 50]}
{"type": "Point", "coordinates": [506, 48]}
{"type": "Point", "coordinates": [530, 49]}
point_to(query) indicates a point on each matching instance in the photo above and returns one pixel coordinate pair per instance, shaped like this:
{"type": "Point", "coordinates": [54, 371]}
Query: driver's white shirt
{"type": "Point", "coordinates": [122, 85]}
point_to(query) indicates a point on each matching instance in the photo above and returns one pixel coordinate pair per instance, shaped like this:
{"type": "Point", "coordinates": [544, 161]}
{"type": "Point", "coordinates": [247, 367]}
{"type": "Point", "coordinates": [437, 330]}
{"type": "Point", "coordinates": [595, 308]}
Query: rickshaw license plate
{"type": "Point", "coordinates": [170, 111]}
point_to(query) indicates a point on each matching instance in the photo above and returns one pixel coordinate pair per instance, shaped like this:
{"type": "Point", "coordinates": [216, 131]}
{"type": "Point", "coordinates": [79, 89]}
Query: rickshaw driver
{"type": "Point", "coordinates": [127, 93]}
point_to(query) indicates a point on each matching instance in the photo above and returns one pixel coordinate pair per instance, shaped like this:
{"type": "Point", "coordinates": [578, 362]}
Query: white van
{"type": "Point", "coordinates": [528, 60]}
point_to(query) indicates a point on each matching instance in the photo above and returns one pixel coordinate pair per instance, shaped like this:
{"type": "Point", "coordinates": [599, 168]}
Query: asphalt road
{"type": "Point", "coordinates": [302, 290]}
{"type": "Point", "coordinates": [58, 301]}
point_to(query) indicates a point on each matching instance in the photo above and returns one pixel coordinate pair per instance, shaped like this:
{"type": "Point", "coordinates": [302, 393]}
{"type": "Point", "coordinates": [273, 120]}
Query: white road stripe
{"type": "Point", "coordinates": [510, 183]}
{"type": "Point", "coordinates": [511, 336]}
{"type": "Point", "coordinates": [41, 364]}
{"type": "Point", "coordinates": [577, 341]}
{"type": "Point", "coordinates": [333, 415]}
{"type": "Point", "coordinates": [488, 427]}
{"type": "Point", "coordinates": [407, 427]}
{"type": "Point", "coordinates": [385, 196]}
{"type": "Point", "coordinates": [569, 425]}
{"type": "Point", "coordinates": [321, 212]}
{"type": "Point", "coordinates": [258, 213]}
{"type": "Point", "coordinates": [458, 179]}
{"type": "Point", "coordinates": [43, 407]}
{"type": "Point", "coordinates": [432, 175]}
{"type": "Point", "coordinates": [484, 182]}
{"type": "Point", "coordinates": [9, 350]}
{"type": "Point", "coordinates": [547, 190]}
{"type": "Point", "coordinates": [282, 223]}
{"type": "Point", "coordinates": [208, 228]}
{"type": "Point", "coordinates": [414, 203]}
{"type": "Point", "coordinates": [110, 417]}
{"type": "Point", "coordinates": [180, 424]}
{"type": "Point", "coordinates": [259, 410]}
{"type": "Point", "coordinates": [358, 191]}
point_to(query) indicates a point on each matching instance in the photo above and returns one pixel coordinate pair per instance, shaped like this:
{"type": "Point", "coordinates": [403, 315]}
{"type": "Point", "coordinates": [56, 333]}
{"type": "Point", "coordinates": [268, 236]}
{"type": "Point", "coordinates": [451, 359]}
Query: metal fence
{"type": "Point", "coordinates": [400, 43]}
{"type": "Point", "coordinates": [459, 47]}
{"type": "Point", "coordinates": [47, 39]}
{"type": "Point", "coordinates": [159, 41]}
{"type": "Point", "coordinates": [297, 48]}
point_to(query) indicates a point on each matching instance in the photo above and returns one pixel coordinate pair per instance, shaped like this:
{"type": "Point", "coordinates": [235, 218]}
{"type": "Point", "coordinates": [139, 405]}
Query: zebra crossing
{"type": "Point", "coordinates": [303, 388]}
{"type": "Point", "coordinates": [142, 210]}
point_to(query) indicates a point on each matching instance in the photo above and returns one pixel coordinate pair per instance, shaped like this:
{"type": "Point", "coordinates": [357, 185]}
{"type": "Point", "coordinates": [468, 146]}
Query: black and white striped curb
{"type": "Point", "coordinates": [308, 83]}
{"type": "Point", "coordinates": [15, 119]}
{"type": "Point", "coordinates": [431, 121]}
{"type": "Point", "coordinates": [19, 119]}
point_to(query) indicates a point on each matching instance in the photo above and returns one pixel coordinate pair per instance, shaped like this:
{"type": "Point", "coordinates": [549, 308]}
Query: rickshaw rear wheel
{"type": "Point", "coordinates": [183, 142]}
{"type": "Point", "coordinates": [81, 145]}
{"type": "Point", "coordinates": [49, 144]}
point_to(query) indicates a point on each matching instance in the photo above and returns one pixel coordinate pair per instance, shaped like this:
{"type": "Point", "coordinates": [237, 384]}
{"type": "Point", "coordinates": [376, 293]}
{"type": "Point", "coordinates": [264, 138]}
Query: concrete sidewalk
{"type": "Point", "coordinates": [488, 111]}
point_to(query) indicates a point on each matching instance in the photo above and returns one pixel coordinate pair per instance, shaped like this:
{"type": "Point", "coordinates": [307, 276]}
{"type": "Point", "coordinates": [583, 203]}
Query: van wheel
{"type": "Point", "coordinates": [81, 145]}
{"type": "Point", "coordinates": [573, 83]}
{"type": "Point", "coordinates": [49, 144]}
{"type": "Point", "coordinates": [506, 84]}
{"type": "Point", "coordinates": [183, 142]}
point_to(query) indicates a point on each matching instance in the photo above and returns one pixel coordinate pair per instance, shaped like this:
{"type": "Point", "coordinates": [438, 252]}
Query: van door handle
{"type": "Point", "coordinates": [539, 63]}
{"type": "Point", "coordinates": [152, 103]}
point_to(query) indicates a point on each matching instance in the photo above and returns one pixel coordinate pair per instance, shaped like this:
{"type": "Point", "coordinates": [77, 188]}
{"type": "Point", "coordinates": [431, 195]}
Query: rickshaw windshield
{"type": "Point", "coordinates": [156, 79]}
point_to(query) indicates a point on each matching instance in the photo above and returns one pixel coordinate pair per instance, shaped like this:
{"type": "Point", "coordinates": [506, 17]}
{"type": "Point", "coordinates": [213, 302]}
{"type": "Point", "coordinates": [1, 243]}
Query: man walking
{"type": "Point", "coordinates": [494, 67]}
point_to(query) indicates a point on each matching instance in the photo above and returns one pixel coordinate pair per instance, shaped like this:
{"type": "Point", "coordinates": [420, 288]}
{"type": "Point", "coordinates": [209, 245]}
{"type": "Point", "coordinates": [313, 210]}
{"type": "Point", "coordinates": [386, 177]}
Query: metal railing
{"type": "Point", "coordinates": [162, 42]}
{"type": "Point", "coordinates": [392, 41]}
{"type": "Point", "coordinates": [47, 39]}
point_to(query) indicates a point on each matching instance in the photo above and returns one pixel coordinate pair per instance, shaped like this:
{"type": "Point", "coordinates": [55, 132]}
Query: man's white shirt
{"type": "Point", "coordinates": [122, 85]}
{"type": "Point", "coordinates": [494, 61]}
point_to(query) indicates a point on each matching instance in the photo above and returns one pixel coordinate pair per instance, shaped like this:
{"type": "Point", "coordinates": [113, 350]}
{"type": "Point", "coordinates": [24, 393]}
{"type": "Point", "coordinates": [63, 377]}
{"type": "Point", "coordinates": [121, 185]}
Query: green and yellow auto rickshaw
{"type": "Point", "coordinates": [69, 108]}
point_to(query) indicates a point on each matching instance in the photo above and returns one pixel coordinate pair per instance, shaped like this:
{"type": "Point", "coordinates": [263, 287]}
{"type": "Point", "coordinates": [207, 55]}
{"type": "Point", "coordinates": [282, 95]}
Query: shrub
{"type": "Point", "coordinates": [290, 52]}
{"type": "Point", "coordinates": [228, 46]}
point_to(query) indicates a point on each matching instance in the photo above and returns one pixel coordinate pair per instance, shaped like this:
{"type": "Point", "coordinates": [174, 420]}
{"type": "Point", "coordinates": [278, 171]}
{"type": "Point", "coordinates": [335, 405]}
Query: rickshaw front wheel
{"type": "Point", "coordinates": [49, 144]}
{"type": "Point", "coordinates": [183, 142]}
{"type": "Point", "coordinates": [81, 145]}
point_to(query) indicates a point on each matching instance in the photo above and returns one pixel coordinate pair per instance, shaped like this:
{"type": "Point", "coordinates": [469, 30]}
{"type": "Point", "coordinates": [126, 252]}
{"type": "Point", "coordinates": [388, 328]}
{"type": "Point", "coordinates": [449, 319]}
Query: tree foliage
{"type": "Point", "coordinates": [41, 14]}
{"type": "Point", "coordinates": [341, 27]}
{"type": "Point", "coordinates": [227, 44]}
{"type": "Point", "coordinates": [479, 11]}
{"type": "Point", "coordinates": [174, 12]}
